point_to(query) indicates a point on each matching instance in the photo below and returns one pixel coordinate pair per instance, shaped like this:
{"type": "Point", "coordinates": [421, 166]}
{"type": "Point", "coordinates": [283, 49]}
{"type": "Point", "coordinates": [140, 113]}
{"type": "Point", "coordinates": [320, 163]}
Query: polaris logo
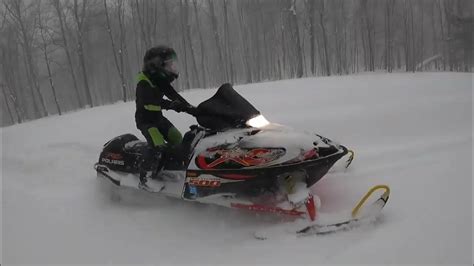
{"type": "Point", "coordinates": [116, 162]}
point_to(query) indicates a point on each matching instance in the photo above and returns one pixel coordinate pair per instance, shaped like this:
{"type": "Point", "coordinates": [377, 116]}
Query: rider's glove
{"type": "Point", "coordinates": [178, 106]}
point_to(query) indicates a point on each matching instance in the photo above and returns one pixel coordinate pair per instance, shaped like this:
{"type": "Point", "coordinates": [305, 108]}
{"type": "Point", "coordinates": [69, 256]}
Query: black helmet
{"type": "Point", "coordinates": [160, 63]}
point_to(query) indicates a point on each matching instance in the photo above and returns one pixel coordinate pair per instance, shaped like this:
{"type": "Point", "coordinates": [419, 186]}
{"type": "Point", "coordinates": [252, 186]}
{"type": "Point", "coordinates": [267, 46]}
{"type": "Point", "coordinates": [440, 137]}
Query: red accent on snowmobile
{"type": "Point", "coordinates": [114, 156]}
{"type": "Point", "coordinates": [237, 176]}
{"type": "Point", "coordinates": [214, 158]}
{"type": "Point", "coordinates": [304, 156]}
{"type": "Point", "coordinates": [311, 154]}
{"type": "Point", "coordinates": [311, 208]}
{"type": "Point", "coordinates": [263, 208]}
{"type": "Point", "coordinates": [315, 168]}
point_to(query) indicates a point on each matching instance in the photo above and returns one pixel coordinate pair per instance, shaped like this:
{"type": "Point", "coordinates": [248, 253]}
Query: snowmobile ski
{"type": "Point", "coordinates": [358, 216]}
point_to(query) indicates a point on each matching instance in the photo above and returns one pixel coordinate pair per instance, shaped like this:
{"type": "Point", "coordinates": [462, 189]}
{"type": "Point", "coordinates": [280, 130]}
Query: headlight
{"type": "Point", "coordinates": [258, 121]}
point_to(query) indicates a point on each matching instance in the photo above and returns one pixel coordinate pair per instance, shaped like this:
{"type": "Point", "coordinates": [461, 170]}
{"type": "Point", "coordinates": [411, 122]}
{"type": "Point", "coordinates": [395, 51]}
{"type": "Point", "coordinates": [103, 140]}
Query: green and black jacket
{"type": "Point", "coordinates": [149, 100]}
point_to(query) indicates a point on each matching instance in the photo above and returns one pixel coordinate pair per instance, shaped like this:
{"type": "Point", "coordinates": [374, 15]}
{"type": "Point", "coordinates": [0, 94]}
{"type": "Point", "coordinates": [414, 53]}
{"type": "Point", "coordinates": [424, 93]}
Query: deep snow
{"type": "Point", "coordinates": [410, 131]}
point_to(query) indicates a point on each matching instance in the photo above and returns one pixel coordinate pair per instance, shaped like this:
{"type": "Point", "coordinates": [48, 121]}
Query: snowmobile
{"type": "Point", "coordinates": [235, 158]}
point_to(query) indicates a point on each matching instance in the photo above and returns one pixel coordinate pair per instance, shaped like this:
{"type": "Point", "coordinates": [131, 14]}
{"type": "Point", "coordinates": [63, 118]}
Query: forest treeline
{"type": "Point", "coordinates": [63, 55]}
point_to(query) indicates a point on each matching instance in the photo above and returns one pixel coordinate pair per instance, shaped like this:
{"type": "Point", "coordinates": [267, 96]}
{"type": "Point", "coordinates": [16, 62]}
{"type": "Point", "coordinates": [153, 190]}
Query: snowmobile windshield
{"type": "Point", "coordinates": [226, 109]}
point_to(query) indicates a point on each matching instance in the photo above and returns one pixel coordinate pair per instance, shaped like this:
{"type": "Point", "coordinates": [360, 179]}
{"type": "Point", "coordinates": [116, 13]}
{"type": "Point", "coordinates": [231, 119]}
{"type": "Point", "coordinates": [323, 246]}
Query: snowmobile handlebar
{"type": "Point", "coordinates": [192, 110]}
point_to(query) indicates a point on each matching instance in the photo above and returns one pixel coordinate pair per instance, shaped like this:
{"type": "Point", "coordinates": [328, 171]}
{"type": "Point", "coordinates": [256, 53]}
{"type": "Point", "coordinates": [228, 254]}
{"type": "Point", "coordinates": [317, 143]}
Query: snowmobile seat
{"type": "Point", "coordinates": [135, 146]}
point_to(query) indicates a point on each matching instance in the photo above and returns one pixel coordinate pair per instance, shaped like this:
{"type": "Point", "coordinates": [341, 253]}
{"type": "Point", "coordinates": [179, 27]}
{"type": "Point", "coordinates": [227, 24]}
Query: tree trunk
{"type": "Point", "coordinates": [46, 58]}
{"type": "Point", "coordinates": [338, 40]}
{"type": "Point", "coordinates": [6, 104]}
{"type": "Point", "coordinates": [387, 36]}
{"type": "Point", "coordinates": [244, 38]}
{"type": "Point", "coordinates": [183, 39]}
{"type": "Point", "coordinates": [413, 47]}
{"type": "Point", "coordinates": [139, 48]}
{"type": "Point", "coordinates": [190, 43]}
{"type": "Point", "coordinates": [18, 109]}
{"type": "Point", "coordinates": [155, 20]}
{"type": "Point", "coordinates": [118, 66]}
{"type": "Point", "coordinates": [123, 51]}
{"type": "Point", "coordinates": [167, 21]}
{"type": "Point", "coordinates": [435, 38]}
{"type": "Point", "coordinates": [443, 36]}
{"type": "Point", "coordinates": [230, 62]}
{"type": "Point", "coordinates": [370, 37]}
{"type": "Point", "coordinates": [296, 32]}
{"type": "Point", "coordinates": [15, 11]}
{"type": "Point", "coordinates": [141, 21]}
{"type": "Point", "coordinates": [215, 31]}
{"type": "Point", "coordinates": [406, 39]}
{"type": "Point", "coordinates": [254, 37]}
{"type": "Point", "coordinates": [345, 63]}
{"type": "Point", "coordinates": [422, 39]}
{"type": "Point", "coordinates": [80, 49]}
{"type": "Point", "coordinates": [325, 42]}
{"type": "Point", "coordinates": [201, 42]}
{"type": "Point", "coordinates": [266, 47]}
{"type": "Point", "coordinates": [66, 48]}
{"type": "Point", "coordinates": [9, 66]}
{"type": "Point", "coordinates": [312, 21]}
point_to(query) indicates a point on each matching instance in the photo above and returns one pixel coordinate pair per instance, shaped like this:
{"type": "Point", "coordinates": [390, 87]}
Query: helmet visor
{"type": "Point", "coordinates": [171, 66]}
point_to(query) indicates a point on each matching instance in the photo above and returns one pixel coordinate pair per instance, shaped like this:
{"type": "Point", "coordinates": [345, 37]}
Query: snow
{"type": "Point", "coordinates": [410, 131]}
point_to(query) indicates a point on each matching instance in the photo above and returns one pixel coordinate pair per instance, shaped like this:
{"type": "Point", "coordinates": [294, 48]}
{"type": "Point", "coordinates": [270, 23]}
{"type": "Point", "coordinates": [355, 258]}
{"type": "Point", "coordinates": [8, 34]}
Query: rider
{"type": "Point", "coordinates": [154, 82]}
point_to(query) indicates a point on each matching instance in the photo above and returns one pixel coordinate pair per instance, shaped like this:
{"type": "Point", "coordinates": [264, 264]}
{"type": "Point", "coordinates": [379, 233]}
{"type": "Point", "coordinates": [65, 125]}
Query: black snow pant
{"type": "Point", "coordinates": [156, 134]}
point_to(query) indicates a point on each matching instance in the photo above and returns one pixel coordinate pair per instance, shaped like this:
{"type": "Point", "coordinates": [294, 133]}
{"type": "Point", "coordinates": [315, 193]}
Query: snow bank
{"type": "Point", "coordinates": [410, 131]}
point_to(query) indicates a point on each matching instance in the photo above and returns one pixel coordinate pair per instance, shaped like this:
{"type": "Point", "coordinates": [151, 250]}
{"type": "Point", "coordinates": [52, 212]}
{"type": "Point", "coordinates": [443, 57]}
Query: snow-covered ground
{"type": "Point", "coordinates": [410, 131]}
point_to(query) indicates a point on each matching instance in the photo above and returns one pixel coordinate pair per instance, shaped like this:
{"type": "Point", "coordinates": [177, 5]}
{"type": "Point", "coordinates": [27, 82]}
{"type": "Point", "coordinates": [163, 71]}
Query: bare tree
{"type": "Point", "coordinates": [167, 21]}
{"type": "Point", "coordinates": [58, 8]}
{"type": "Point", "coordinates": [339, 36]}
{"type": "Point", "coordinates": [389, 4]}
{"type": "Point", "coordinates": [325, 38]}
{"type": "Point", "coordinates": [369, 30]}
{"type": "Point", "coordinates": [311, 8]}
{"type": "Point", "coordinates": [15, 9]}
{"type": "Point", "coordinates": [9, 66]}
{"type": "Point", "coordinates": [187, 35]}
{"type": "Point", "coordinates": [215, 31]}
{"type": "Point", "coordinates": [64, 46]}
{"type": "Point", "coordinates": [184, 45]}
{"type": "Point", "coordinates": [284, 46]}
{"type": "Point", "coordinates": [412, 38]}
{"type": "Point", "coordinates": [45, 41]}
{"type": "Point", "coordinates": [263, 21]}
{"type": "Point", "coordinates": [201, 44]}
{"type": "Point", "coordinates": [79, 19]}
{"type": "Point", "coordinates": [246, 49]}
{"type": "Point", "coordinates": [117, 53]}
{"type": "Point", "coordinates": [14, 99]}
{"type": "Point", "coordinates": [434, 32]}
{"type": "Point", "coordinates": [296, 35]}
{"type": "Point", "coordinates": [141, 20]}
{"type": "Point", "coordinates": [254, 39]}
{"type": "Point", "coordinates": [228, 44]}
{"type": "Point", "coordinates": [123, 50]}
{"type": "Point", "coordinates": [4, 96]}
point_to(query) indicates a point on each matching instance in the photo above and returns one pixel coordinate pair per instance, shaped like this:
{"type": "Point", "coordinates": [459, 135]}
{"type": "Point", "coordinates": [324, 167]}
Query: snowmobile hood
{"type": "Point", "coordinates": [273, 136]}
